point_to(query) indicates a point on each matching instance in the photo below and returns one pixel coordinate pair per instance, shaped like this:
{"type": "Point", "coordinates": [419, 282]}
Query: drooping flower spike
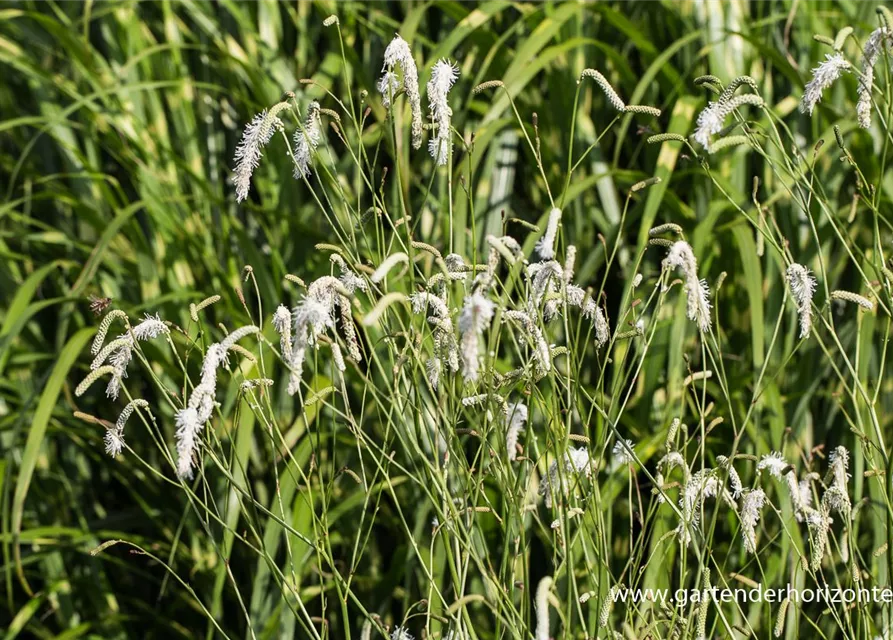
{"type": "Point", "coordinates": [823, 76]}
{"type": "Point", "coordinates": [398, 54]}
{"type": "Point", "coordinates": [257, 135]}
{"type": "Point", "coordinates": [683, 258]}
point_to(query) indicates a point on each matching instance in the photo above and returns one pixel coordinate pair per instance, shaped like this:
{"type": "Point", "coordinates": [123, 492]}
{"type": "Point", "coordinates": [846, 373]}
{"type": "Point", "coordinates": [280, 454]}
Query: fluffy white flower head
{"type": "Point", "coordinates": [710, 122]}
{"type": "Point", "coordinates": [443, 76]}
{"type": "Point", "coordinates": [398, 54]}
{"type": "Point", "coordinates": [773, 462]}
{"type": "Point", "coordinates": [823, 76]}
{"type": "Point", "coordinates": [622, 455]}
{"type": "Point", "coordinates": [682, 257]}
{"type": "Point", "coordinates": [802, 286]}
{"type": "Point", "coordinates": [306, 140]}
{"type": "Point", "coordinates": [257, 135]}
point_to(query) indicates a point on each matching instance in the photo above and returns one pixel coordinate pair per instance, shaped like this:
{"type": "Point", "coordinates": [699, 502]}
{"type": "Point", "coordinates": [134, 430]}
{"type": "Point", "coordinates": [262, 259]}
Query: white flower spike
{"type": "Point", "coordinates": [398, 54]}
{"type": "Point", "coordinates": [823, 76]}
{"type": "Point", "coordinates": [443, 76]}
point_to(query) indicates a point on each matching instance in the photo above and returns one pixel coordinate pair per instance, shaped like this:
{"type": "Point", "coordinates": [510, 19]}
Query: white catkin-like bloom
{"type": "Point", "coordinates": [836, 499]}
{"type": "Point", "coordinates": [839, 462]}
{"type": "Point", "coordinates": [874, 45]}
{"type": "Point", "coordinates": [734, 479]}
{"type": "Point", "coordinates": [257, 135]}
{"type": "Point", "coordinates": [735, 482]}
{"type": "Point", "coordinates": [191, 420]}
{"type": "Point", "coordinates": [311, 318]}
{"type": "Point", "coordinates": [128, 410]}
{"type": "Point", "coordinates": [255, 383]}
{"type": "Point", "coordinates": [351, 281]}
{"type": "Point", "coordinates": [577, 297]}
{"type": "Point", "coordinates": [751, 505]}
{"type": "Point", "coordinates": [282, 323]}
{"type": "Point", "coordinates": [672, 459]}
{"type": "Point", "coordinates": [119, 352]}
{"type": "Point", "coordinates": [472, 401]}
{"type": "Point", "coordinates": [443, 76]}
{"type": "Point", "coordinates": [802, 286]}
{"type": "Point", "coordinates": [188, 429]}
{"type": "Point", "coordinates": [683, 258]}
{"type": "Point", "coordinates": [710, 122]}
{"type": "Point", "coordinates": [542, 608]}
{"type": "Point", "coordinates": [475, 317]}
{"type": "Point", "coordinates": [541, 351]}
{"type": "Point", "coordinates": [712, 119]}
{"type": "Point", "coordinates": [515, 420]}
{"type": "Point", "coordinates": [801, 496]}
{"type": "Point", "coordinates": [306, 140]}
{"type": "Point", "coordinates": [113, 352]}
{"type": "Point", "coordinates": [819, 522]}
{"type": "Point", "coordinates": [804, 491]}
{"type": "Point", "coordinates": [338, 358]}
{"type": "Point", "coordinates": [545, 246]}
{"type": "Point", "coordinates": [699, 486]}
{"type": "Point", "coordinates": [150, 327]}
{"type": "Point", "coordinates": [774, 462]}
{"type": "Point", "coordinates": [545, 278]}
{"type": "Point", "coordinates": [576, 461]}
{"type": "Point", "coordinates": [401, 633]}
{"type": "Point", "coordinates": [622, 454]}
{"type": "Point", "coordinates": [823, 76]}
{"type": "Point", "coordinates": [114, 442]}
{"type": "Point", "coordinates": [433, 369]}
{"type": "Point", "coordinates": [422, 300]}
{"type": "Point", "coordinates": [399, 54]}
{"type": "Point", "coordinates": [114, 437]}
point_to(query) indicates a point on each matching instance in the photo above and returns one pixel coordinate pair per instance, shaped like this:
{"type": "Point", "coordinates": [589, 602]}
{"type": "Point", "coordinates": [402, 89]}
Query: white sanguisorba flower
{"type": "Point", "coordinates": [802, 286]}
{"type": "Point", "coordinates": [545, 246]}
{"type": "Point", "coordinates": [475, 317]}
{"type": "Point", "coordinates": [191, 419]}
{"type": "Point", "coordinates": [683, 258]}
{"type": "Point", "coordinates": [576, 461]}
{"type": "Point", "coordinates": [712, 119]}
{"type": "Point", "coordinates": [257, 135]}
{"type": "Point", "coordinates": [874, 46]}
{"type": "Point", "coordinates": [622, 454]}
{"type": "Point", "coordinates": [823, 76]}
{"type": "Point", "coordinates": [443, 76]}
{"type": "Point", "coordinates": [306, 140]}
{"type": "Point", "coordinates": [515, 419]}
{"type": "Point", "coordinates": [119, 352]}
{"type": "Point", "coordinates": [114, 437]}
{"type": "Point", "coordinates": [751, 506]}
{"type": "Point", "coordinates": [398, 54]}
